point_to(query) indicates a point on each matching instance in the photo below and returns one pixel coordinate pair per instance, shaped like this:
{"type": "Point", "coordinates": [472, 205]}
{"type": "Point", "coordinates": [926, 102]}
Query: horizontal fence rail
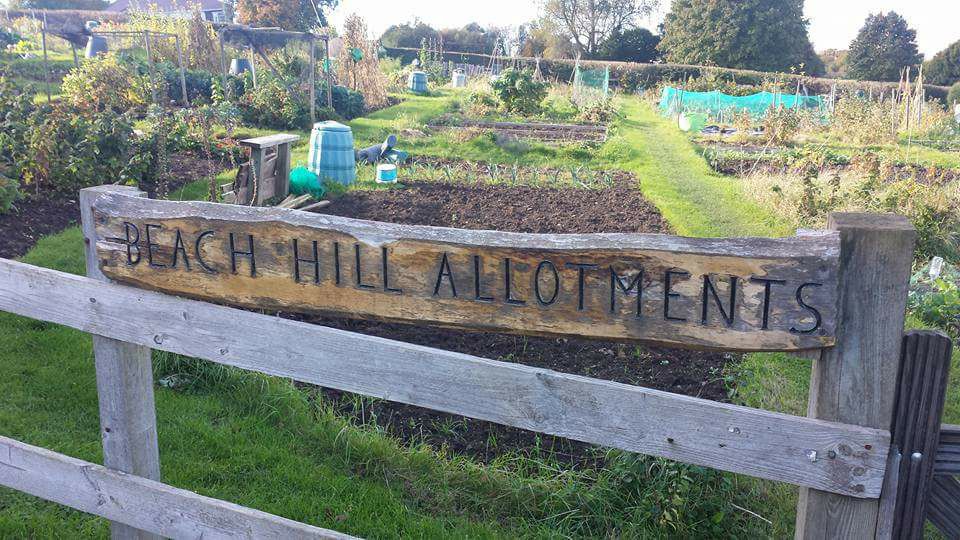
{"type": "Point", "coordinates": [138, 502]}
{"type": "Point", "coordinates": [948, 451]}
{"type": "Point", "coordinates": [827, 456]}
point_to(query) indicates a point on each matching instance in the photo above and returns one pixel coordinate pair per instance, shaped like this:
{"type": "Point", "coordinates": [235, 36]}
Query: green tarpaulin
{"type": "Point", "coordinates": [716, 104]}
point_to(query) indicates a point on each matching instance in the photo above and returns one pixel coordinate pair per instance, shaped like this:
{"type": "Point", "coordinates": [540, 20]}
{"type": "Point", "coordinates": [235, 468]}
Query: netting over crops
{"type": "Point", "coordinates": [590, 84]}
{"type": "Point", "coordinates": [718, 105]}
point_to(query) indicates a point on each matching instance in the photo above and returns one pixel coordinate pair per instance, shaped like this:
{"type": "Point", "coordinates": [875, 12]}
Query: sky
{"type": "Point", "coordinates": [833, 23]}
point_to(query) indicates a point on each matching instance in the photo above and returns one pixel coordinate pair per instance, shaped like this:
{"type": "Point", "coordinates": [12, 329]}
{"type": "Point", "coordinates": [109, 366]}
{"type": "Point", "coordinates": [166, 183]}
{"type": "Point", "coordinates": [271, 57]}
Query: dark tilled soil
{"type": "Point", "coordinates": [621, 208]}
{"type": "Point", "coordinates": [520, 209]}
{"type": "Point", "coordinates": [41, 214]}
{"type": "Point", "coordinates": [32, 218]}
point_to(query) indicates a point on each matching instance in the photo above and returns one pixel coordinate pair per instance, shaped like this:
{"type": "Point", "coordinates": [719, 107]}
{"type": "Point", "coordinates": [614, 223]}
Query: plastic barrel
{"type": "Point", "coordinates": [331, 155]}
{"type": "Point", "coordinates": [95, 45]}
{"type": "Point", "coordinates": [417, 82]}
{"type": "Point", "coordinates": [239, 65]}
{"type": "Point", "coordinates": [459, 79]}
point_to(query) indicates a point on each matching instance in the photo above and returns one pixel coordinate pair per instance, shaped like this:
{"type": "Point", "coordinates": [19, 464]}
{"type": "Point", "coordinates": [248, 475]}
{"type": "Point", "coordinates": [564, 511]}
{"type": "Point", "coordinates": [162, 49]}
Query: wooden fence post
{"type": "Point", "coordinates": [922, 389]}
{"type": "Point", "coordinates": [128, 421]}
{"type": "Point", "coordinates": [855, 381]}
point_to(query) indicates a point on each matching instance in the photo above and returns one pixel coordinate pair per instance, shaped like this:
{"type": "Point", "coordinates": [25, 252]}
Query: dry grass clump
{"type": "Point", "coordinates": [363, 75]}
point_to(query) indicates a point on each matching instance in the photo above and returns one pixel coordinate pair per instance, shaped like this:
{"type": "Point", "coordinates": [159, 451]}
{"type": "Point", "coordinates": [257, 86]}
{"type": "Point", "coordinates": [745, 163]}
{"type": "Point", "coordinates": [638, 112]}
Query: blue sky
{"type": "Point", "coordinates": [833, 23]}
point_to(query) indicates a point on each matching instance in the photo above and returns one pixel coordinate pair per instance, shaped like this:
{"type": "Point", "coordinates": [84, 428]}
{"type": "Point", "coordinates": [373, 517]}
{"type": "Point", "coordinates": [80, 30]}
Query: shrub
{"type": "Point", "coordinates": [518, 92]}
{"type": "Point", "coordinates": [107, 84]}
{"type": "Point", "coordinates": [935, 296]}
{"type": "Point", "coordinates": [8, 37]}
{"type": "Point", "coordinates": [953, 97]}
{"type": "Point", "coordinates": [271, 105]}
{"type": "Point", "coordinates": [199, 83]}
{"type": "Point", "coordinates": [781, 125]}
{"type": "Point", "coordinates": [9, 192]}
{"type": "Point", "coordinates": [861, 121]}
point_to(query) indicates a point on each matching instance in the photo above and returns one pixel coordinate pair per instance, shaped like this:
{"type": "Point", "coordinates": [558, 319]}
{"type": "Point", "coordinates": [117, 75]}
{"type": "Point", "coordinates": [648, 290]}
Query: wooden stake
{"type": "Point", "coordinates": [153, 73]}
{"type": "Point", "coordinates": [183, 74]}
{"type": "Point", "coordinates": [313, 76]}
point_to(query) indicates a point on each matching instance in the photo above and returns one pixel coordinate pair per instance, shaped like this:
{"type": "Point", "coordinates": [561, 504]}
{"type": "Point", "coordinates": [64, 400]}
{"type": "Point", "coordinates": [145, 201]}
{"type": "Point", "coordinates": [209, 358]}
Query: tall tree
{"type": "Point", "coordinates": [409, 34]}
{"type": "Point", "coordinates": [633, 45]}
{"type": "Point", "coordinates": [297, 15]}
{"type": "Point", "coordinates": [544, 39]}
{"type": "Point", "coordinates": [588, 23]}
{"type": "Point", "coordinates": [944, 67]}
{"type": "Point", "coordinates": [884, 46]}
{"type": "Point", "coordinates": [765, 35]}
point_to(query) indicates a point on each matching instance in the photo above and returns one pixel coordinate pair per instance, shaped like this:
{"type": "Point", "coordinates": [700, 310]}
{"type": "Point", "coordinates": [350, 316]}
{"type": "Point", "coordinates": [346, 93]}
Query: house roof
{"type": "Point", "coordinates": [163, 6]}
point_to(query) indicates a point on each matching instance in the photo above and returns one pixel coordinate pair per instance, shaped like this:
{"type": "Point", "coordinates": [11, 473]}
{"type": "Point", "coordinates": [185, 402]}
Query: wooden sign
{"type": "Point", "coordinates": [740, 294]}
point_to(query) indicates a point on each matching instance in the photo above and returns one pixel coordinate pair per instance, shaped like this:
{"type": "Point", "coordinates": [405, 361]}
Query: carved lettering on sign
{"type": "Point", "coordinates": [748, 294]}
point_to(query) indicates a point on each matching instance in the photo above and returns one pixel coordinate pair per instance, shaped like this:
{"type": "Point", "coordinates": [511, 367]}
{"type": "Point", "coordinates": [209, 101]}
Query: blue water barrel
{"type": "Point", "coordinates": [95, 45]}
{"type": "Point", "coordinates": [331, 155]}
{"type": "Point", "coordinates": [417, 82]}
{"type": "Point", "coordinates": [239, 65]}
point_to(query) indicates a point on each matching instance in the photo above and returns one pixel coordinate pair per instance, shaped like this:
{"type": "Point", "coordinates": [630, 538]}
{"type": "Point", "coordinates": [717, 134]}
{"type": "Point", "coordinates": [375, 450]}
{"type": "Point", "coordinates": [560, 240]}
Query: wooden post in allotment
{"type": "Point", "coordinates": [153, 71]}
{"type": "Point", "coordinates": [924, 375]}
{"type": "Point", "coordinates": [313, 83]}
{"type": "Point", "coordinates": [855, 381]}
{"type": "Point", "coordinates": [183, 74]}
{"type": "Point", "coordinates": [128, 422]}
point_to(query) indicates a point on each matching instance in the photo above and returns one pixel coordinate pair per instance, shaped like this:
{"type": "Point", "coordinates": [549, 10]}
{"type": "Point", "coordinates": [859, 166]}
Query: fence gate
{"type": "Point", "coordinates": [865, 456]}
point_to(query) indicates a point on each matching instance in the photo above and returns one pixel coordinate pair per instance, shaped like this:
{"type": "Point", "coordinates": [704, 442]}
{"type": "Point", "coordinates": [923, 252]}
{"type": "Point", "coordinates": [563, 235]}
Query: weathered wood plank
{"type": "Point", "coordinates": [128, 422]}
{"type": "Point", "coordinates": [803, 451]}
{"type": "Point", "coordinates": [267, 141]}
{"type": "Point", "coordinates": [944, 508]}
{"type": "Point", "coordinates": [924, 375]}
{"type": "Point", "coordinates": [744, 293]}
{"type": "Point", "coordinates": [948, 451]}
{"type": "Point", "coordinates": [855, 381]}
{"type": "Point", "coordinates": [137, 502]}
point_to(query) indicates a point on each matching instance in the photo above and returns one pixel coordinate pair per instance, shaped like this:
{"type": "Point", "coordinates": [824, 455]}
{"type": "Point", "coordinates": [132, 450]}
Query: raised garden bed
{"type": "Point", "coordinates": [592, 133]}
{"type": "Point", "coordinates": [617, 208]}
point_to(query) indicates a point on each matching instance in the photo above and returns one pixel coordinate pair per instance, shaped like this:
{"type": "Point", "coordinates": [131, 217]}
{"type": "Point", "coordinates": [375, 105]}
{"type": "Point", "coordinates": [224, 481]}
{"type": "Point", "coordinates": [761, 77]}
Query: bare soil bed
{"type": "Point", "coordinates": [40, 214]}
{"type": "Point", "coordinates": [620, 208]}
{"type": "Point", "coordinates": [539, 131]}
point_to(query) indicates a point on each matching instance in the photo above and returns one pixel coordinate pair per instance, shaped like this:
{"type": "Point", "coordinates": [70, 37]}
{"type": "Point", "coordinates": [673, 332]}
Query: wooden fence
{"type": "Point", "coordinates": [837, 295]}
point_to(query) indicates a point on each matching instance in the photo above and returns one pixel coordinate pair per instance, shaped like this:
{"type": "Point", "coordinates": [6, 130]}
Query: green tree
{"type": "Point", "coordinates": [633, 45]}
{"type": "Point", "coordinates": [944, 67]}
{"type": "Point", "coordinates": [588, 23]}
{"type": "Point", "coordinates": [765, 35]}
{"type": "Point", "coordinates": [884, 46]}
{"type": "Point", "coordinates": [409, 34]}
{"type": "Point", "coordinates": [295, 15]}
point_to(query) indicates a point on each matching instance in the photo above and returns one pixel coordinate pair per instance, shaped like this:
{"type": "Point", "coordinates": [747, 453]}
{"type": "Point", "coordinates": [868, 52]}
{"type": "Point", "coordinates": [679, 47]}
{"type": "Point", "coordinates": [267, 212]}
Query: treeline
{"type": "Point", "coordinates": [759, 35]}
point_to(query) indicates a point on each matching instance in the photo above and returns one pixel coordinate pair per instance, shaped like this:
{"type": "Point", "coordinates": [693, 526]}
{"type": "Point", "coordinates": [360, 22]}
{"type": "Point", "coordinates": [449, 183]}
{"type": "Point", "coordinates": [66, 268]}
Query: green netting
{"type": "Point", "coordinates": [718, 105]}
{"type": "Point", "coordinates": [591, 83]}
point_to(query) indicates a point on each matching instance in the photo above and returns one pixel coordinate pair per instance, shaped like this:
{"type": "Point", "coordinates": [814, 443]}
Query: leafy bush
{"type": "Point", "coordinates": [271, 105]}
{"type": "Point", "coordinates": [518, 92]}
{"type": "Point", "coordinates": [8, 37]}
{"type": "Point", "coordinates": [935, 296]}
{"type": "Point", "coordinates": [106, 83]}
{"type": "Point", "coordinates": [953, 97]}
{"type": "Point", "coordinates": [33, 68]}
{"type": "Point", "coordinates": [9, 192]}
{"type": "Point", "coordinates": [346, 102]}
{"type": "Point", "coordinates": [199, 83]}
{"type": "Point", "coordinates": [781, 125]}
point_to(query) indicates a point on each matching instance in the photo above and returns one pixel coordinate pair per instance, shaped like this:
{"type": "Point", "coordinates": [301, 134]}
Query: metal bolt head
{"type": "Point", "coordinates": [812, 455]}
